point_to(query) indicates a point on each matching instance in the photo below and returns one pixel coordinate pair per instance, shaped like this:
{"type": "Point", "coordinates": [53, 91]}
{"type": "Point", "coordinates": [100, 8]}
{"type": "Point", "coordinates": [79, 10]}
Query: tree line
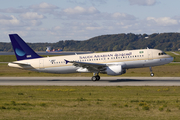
{"type": "Point", "coordinates": [116, 42]}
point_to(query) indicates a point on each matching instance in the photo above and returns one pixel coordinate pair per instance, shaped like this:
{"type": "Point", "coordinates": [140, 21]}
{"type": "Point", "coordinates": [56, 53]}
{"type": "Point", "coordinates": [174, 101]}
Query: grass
{"type": "Point", "coordinates": [112, 103]}
{"type": "Point", "coordinates": [176, 57]}
{"type": "Point", "coordinates": [7, 58]}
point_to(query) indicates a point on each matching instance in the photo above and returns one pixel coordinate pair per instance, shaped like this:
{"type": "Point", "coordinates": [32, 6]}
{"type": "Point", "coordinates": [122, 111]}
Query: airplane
{"type": "Point", "coordinates": [111, 63]}
{"type": "Point", "coordinates": [48, 50]}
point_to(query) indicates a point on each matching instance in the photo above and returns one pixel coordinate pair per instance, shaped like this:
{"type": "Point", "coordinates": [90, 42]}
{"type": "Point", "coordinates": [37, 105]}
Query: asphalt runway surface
{"type": "Point", "coordinates": [86, 81]}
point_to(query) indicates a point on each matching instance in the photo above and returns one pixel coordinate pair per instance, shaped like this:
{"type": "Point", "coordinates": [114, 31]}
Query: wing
{"type": "Point", "coordinates": [92, 67]}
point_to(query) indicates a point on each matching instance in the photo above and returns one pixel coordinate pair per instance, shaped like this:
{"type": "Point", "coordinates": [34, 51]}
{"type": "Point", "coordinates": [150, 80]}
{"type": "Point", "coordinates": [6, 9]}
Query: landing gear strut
{"type": "Point", "coordinates": [152, 74]}
{"type": "Point", "coordinates": [95, 77]}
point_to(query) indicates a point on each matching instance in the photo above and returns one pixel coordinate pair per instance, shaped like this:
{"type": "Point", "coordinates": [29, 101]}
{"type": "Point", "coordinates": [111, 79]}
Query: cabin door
{"type": "Point", "coordinates": [150, 55]}
{"type": "Point", "coordinates": [41, 64]}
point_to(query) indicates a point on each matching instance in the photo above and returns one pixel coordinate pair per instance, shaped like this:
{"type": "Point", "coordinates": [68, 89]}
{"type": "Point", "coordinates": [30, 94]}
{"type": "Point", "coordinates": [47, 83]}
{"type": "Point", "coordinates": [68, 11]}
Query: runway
{"type": "Point", "coordinates": [85, 81]}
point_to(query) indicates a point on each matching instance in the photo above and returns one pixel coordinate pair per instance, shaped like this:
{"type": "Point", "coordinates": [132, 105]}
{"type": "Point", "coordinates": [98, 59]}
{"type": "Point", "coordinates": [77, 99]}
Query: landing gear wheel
{"type": "Point", "coordinates": [152, 74]}
{"type": "Point", "coordinates": [97, 77]}
{"type": "Point", "coordinates": [94, 78]}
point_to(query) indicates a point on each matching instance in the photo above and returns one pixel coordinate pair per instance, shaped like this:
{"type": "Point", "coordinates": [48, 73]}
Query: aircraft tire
{"type": "Point", "coordinates": [97, 77]}
{"type": "Point", "coordinates": [94, 78]}
{"type": "Point", "coordinates": [152, 74]}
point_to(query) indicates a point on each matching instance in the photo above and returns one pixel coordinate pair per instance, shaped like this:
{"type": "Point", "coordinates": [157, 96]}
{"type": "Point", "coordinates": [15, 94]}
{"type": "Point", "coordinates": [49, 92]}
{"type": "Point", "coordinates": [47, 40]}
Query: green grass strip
{"type": "Point", "coordinates": [89, 103]}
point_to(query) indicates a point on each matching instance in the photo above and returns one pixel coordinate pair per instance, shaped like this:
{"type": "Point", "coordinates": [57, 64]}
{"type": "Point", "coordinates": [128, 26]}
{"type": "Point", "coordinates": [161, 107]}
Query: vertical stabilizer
{"type": "Point", "coordinates": [21, 49]}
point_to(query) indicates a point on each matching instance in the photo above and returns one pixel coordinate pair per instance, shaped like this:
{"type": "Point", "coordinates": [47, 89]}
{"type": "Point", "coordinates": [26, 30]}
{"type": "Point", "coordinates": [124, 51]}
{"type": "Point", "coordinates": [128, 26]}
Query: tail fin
{"type": "Point", "coordinates": [21, 49]}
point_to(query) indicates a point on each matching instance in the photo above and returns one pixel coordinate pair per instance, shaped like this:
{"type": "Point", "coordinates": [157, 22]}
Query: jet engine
{"type": "Point", "coordinates": [115, 70]}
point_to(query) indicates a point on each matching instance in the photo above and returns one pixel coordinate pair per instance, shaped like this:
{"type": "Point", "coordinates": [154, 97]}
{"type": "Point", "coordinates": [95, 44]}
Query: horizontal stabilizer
{"type": "Point", "coordinates": [21, 63]}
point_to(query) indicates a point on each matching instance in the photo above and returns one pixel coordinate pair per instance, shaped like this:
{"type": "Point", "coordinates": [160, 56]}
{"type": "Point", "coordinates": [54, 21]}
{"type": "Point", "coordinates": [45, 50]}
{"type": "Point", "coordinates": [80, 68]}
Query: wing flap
{"type": "Point", "coordinates": [92, 67]}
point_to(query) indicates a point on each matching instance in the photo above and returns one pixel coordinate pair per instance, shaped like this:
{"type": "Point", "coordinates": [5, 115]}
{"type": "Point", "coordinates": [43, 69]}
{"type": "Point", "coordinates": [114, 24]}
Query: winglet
{"type": "Point", "coordinates": [66, 61]}
{"type": "Point", "coordinates": [21, 49]}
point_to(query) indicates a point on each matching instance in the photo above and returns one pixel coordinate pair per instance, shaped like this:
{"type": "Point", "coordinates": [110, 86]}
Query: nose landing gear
{"type": "Point", "coordinates": [151, 73]}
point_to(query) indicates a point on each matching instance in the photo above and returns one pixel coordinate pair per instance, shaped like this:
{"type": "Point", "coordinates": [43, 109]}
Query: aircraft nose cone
{"type": "Point", "coordinates": [170, 58]}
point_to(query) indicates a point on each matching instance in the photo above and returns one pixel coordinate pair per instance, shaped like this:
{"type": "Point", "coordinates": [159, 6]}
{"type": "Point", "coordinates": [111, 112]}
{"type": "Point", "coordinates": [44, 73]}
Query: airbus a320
{"type": "Point", "coordinates": [111, 63]}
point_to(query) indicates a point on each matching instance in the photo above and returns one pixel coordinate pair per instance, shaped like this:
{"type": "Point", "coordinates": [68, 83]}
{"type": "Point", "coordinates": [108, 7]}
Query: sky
{"type": "Point", "coordinates": [55, 20]}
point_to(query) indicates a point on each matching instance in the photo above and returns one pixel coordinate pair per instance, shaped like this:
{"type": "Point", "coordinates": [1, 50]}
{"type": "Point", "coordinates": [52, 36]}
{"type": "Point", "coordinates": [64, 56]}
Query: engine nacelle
{"type": "Point", "coordinates": [115, 70]}
{"type": "Point", "coordinates": [82, 70]}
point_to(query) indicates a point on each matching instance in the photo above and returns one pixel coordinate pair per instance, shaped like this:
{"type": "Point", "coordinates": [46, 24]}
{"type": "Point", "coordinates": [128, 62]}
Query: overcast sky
{"type": "Point", "coordinates": [54, 20]}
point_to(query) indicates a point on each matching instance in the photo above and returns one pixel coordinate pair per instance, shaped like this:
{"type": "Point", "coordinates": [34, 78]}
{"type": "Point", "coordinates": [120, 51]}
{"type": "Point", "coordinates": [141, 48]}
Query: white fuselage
{"type": "Point", "coordinates": [127, 59]}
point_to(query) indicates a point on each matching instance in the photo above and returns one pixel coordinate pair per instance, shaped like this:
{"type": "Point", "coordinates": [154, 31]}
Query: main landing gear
{"type": "Point", "coordinates": [95, 77]}
{"type": "Point", "coordinates": [151, 74]}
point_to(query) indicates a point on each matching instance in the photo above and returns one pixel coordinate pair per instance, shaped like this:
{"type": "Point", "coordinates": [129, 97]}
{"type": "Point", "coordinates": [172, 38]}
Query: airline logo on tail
{"type": "Point", "coordinates": [19, 52]}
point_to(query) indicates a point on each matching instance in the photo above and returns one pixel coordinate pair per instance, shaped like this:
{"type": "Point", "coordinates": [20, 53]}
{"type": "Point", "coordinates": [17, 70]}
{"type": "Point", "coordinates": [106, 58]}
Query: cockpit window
{"type": "Point", "coordinates": [162, 53]}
